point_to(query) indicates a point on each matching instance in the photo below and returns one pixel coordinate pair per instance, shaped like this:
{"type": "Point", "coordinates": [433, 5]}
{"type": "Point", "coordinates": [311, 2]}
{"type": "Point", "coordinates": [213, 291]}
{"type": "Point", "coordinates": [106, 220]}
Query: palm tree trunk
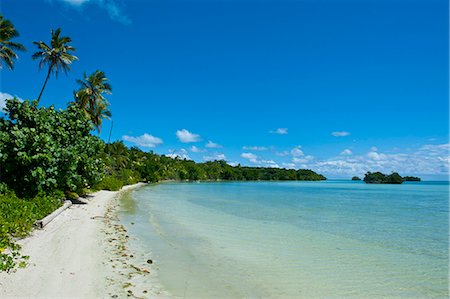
{"type": "Point", "coordinates": [110, 131]}
{"type": "Point", "coordinates": [45, 83]}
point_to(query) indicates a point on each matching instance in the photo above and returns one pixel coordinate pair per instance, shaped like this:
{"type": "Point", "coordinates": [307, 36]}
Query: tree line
{"type": "Point", "coordinates": [128, 165]}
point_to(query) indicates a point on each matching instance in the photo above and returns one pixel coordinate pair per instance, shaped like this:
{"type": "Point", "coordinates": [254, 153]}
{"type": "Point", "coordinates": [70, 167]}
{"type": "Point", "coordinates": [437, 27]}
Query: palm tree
{"type": "Point", "coordinates": [98, 112]}
{"type": "Point", "coordinates": [7, 47]}
{"type": "Point", "coordinates": [92, 89]}
{"type": "Point", "coordinates": [57, 56]}
{"type": "Point", "coordinates": [119, 151]}
{"type": "Point", "coordinates": [90, 97]}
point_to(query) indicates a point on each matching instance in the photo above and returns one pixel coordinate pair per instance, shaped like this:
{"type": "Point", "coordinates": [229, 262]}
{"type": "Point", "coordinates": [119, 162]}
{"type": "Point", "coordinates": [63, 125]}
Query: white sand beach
{"type": "Point", "coordinates": [82, 253]}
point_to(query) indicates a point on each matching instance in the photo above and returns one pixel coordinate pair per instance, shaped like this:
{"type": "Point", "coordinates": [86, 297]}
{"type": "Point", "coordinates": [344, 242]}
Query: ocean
{"type": "Point", "coordinates": [328, 239]}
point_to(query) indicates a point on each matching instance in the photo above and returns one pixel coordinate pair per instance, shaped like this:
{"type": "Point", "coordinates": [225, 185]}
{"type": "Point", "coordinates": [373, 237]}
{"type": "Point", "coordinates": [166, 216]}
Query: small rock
{"type": "Point", "coordinates": [149, 262]}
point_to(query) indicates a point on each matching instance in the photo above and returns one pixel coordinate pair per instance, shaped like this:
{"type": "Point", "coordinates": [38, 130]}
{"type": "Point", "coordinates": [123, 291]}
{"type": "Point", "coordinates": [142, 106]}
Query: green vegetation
{"type": "Point", "coordinates": [355, 178]}
{"type": "Point", "coordinates": [8, 47]}
{"type": "Point", "coordinates": [57, 56]}
{"type": "Point", "coordinates": [380, 178]}
{"type": "Point", "coordinates": [90, 97]}
{"type": "Point", "coordinates": [47, 155]}
{"type": "Point", "coordinates": [17, 217]}
{"type": "Point", "coordinates": [411, 179]}
{"type": "Point", "coordinates": [130, 165]}
{"type": "Point", "coordinates": [45, 150]}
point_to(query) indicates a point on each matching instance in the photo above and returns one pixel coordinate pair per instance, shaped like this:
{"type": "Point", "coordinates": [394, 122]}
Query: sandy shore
{"type": "Point", "coordinates": [82, 253]}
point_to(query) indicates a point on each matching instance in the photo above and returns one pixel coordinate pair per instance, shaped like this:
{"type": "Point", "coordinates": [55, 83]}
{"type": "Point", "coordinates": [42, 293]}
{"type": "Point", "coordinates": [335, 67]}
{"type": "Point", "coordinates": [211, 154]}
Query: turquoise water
{"type": "Point", "coordinates": [332, 239]}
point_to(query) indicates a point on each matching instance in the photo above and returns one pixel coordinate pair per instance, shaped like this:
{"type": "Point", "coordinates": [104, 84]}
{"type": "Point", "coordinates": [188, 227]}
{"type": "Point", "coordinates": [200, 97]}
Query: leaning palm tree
{"type": "Point", "coordinates": [57, 56]}
{"type": "Point", "coordinates": [7, 47]}
{"type": "Point", "coordinates": [90, 97]}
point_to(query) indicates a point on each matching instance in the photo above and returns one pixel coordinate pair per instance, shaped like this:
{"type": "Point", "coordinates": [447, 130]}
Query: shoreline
{"type": "Point", "coordinates": [81, 253]}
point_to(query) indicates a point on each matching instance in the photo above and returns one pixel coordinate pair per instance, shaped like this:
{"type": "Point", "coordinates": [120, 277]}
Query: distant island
{"type": "Point", "coordinates": [356, 178]}
{"type": "Point", "coordinates": [393, 178]}
{"type": "Point", "coordinates": [411, 179]}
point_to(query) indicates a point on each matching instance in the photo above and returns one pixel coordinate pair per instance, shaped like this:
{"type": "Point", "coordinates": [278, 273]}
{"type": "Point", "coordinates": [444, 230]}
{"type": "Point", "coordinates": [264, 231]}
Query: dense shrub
{"type": "Point", "coordinates": [110, 183]}
{"type": "Point", "coordinates": [43, 149]}
{"type": "Point", "coordinates": [128, 176]}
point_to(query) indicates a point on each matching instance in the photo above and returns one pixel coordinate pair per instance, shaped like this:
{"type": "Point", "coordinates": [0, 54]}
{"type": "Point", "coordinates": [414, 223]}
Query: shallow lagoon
{"type": "Point", "coordinates": [329, 239]}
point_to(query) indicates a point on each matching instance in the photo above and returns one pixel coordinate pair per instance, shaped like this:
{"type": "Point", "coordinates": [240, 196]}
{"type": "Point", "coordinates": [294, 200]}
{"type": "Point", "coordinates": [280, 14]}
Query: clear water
{"type": "Point", "coordinates": [332, 239]}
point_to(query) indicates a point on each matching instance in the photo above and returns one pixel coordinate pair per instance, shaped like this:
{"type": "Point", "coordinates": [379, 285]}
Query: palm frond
{"type": "Point", "coordinates": [7, 47]}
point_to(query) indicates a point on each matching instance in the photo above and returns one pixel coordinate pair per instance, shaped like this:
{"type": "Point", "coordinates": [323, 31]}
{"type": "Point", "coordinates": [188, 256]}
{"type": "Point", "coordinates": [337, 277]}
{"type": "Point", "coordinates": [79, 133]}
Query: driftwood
{"type": "Point", "coordinates": [43, 222]}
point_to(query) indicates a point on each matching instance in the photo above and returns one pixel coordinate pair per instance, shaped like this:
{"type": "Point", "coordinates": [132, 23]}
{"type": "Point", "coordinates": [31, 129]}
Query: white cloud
{"type": "Point", "coordinates": [250, 156]}
{"type": "Point", "coordinates": [254, 148]}
{"type": "Point", "coordinates": [297, 152]}
{"type": "Point", "coordinates": [76, 2]}
{"type": "Point", "coordinates": [340, 134]}
{"type": "Point", "coordinates": [185, 136]}
{"type": "Point", "coordinates": [282, 154]}
{"type": "Point", "coordinates": [374, 149]}
{"type": "Point", "coordinates": [215, 157]}
{"type": "Point", "coordinates": [429, 161]}
{"type": "Point", "coordinates": [281, 131]}
{"type": "Point", "coordinates": [268, 163]}
{"type": "Point", "coordinates": [304, 159]}
{"type": "Point", "coordinates": [181, 153]}
{"type": "Point", "coordinates": [346, 152]}
{"type": "Point", "coordinates": [211, 144]}
{"type": "Point", "coordinates": [112, 8]}
{"type": "Point", "coordinates": [289, 165]}
{"type": "Point", "coordinates": [195, 149]}
{"type": "Point", "coordinates": [259, 162]}
{"type": "Point", "coordinates": [376, 156]}
{"type": "Point", "coordinates": [435, 149]}
{"type": "Point", "coordinates": [145, 140]}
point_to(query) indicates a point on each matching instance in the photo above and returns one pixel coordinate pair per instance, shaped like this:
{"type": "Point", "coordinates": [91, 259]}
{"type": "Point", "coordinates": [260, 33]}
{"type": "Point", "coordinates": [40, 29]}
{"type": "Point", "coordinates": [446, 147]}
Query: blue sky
{"type": "Point", "coordinates": [340, 87]}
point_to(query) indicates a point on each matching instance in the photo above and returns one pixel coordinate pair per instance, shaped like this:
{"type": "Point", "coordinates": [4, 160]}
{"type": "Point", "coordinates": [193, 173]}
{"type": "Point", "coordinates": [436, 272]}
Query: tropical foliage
{"type": "Point", "coordinates": [57, 56]}
{"type": "Point", "coordinates": [130, 165]}
{"type": "Point", "coordinates": [44, 149]}
{"type": "Point", "coordinates": [7, 46]}
{"type": "Point", "coordinates": [17, 217]}
{"type": "Point", "coordinates": [90, 97]}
